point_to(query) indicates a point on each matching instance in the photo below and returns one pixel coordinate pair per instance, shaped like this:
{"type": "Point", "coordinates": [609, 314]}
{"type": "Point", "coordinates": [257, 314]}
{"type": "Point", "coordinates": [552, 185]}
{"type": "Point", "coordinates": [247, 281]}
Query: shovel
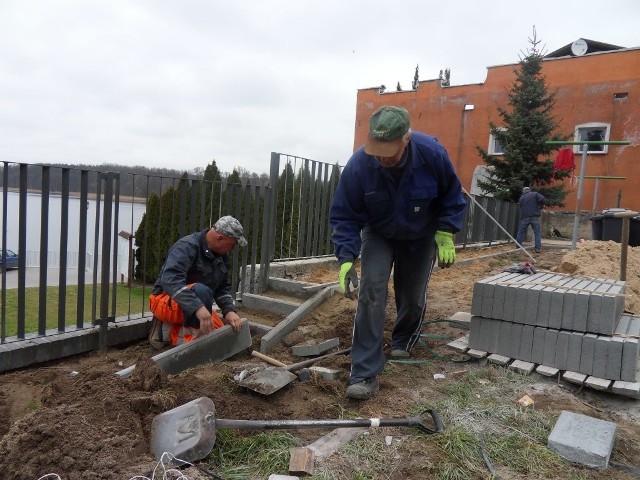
{"type": "Point", "coordinates": [189, 431]}
{"type": "Point", "coordinates": [272, 379]}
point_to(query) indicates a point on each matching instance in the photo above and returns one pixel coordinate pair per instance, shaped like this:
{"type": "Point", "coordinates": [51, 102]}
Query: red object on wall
{"type": "Point", "coordinates": [564, 160]}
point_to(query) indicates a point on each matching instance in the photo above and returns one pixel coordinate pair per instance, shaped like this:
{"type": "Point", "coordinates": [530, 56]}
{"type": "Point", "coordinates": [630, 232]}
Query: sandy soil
{"type": "Point", "coordinates": [91, 425]}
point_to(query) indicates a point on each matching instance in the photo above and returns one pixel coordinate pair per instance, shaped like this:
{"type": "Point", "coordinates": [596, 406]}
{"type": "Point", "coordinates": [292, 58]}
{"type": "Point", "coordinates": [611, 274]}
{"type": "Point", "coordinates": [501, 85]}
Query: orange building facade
{"type": "Point", "coordinates": [597, 97]}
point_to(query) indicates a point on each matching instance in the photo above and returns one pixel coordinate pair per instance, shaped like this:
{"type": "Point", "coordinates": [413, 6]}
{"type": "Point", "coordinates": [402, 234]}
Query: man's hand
{"type": "Point", "coordinates": [348, 276]}
{"type": "Point", "coordinates": [206, 323]}
{"type": "Point", "coordinates": [446, 249]}
{"type": "Point", "coordinates": [233, 319]}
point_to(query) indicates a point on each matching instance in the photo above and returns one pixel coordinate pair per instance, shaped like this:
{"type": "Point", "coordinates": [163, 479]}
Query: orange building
{"type": "Point", "coordinates": [597, 89]}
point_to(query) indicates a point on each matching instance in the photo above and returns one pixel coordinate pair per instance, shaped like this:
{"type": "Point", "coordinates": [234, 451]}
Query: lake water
{"type": "Point", "coordinates": [130, 215]}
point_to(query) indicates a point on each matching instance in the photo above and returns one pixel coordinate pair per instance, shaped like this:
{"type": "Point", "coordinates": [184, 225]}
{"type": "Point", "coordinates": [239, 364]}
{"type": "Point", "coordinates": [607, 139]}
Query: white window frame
{"type": "Point", "coordinates": [593, 149]}
{"type": "Point", "coordinates": [493, 144]}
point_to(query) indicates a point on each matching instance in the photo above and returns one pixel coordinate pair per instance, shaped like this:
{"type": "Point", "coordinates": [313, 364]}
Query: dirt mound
{"type": "Point", "coordinates": [600, 259]}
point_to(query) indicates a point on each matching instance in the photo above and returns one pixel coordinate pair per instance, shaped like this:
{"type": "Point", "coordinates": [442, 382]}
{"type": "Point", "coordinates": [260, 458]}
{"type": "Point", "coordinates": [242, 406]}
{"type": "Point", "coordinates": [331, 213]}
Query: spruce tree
{"type": "Point", "coordinates": [526, 127]}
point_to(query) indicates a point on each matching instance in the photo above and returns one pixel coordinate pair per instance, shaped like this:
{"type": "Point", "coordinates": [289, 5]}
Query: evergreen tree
{"type": "Point", "coordinates": [526, 127]}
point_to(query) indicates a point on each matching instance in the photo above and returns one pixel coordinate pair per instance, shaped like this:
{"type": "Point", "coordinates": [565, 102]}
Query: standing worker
{"type": "Point", "coordinates": [195, 273]}
{"type": "Point", "coordinates": [398, 200]}
{"type": "Point", "coordinates": [530, 204]}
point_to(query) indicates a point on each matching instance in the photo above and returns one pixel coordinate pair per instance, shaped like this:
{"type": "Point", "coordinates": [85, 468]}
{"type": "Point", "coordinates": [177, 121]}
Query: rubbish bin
{"type": "Point", "coordinates": [596, 227]}
{"type": "Point", "coordinates": [605, 227]}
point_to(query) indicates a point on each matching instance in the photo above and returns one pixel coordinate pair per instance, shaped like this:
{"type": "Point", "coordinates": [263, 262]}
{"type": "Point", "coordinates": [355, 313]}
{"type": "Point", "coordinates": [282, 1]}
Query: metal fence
{"type": "Point", "coordinates": [74, 231]}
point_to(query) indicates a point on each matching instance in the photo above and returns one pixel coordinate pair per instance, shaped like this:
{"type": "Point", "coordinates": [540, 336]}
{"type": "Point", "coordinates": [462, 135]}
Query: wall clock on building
{"type": "Point", "coordinates": [579, 47]}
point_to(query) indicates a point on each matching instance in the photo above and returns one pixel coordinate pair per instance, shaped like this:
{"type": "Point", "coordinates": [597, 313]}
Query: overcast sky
{"type": "Point", "coordinates": [178, 84]}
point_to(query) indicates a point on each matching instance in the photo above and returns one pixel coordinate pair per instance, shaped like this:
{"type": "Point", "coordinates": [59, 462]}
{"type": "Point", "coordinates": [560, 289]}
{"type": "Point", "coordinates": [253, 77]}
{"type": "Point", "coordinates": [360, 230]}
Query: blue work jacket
{"type": "Point", "coordinates": [427, 197]}
{"type": "Point", "coordinates": [189, 261]}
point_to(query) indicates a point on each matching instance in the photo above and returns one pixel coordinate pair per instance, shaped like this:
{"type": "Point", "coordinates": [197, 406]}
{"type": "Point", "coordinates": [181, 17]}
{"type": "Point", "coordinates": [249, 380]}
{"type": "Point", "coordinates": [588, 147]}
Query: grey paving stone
{"type": "Point", "coordinates": [614, 358]}
{"type": "Point", "coordinates": [594, 314]}
{"type": "Point", "coordinates": [562, 349]}
{"type": "Point", "coordinates": [629, 360]}
{"type": "Point", "coordinates": [475, 338]}
{"type": "Point", "coordinates": [504, 339]}
{"type": "Point", "coordinates": [516, 339]}
{"type": "Point", "coordinates": [574, 377]}
{"type": "Point", "coordinates": [522, 367]}
{"type": "Point", "coordinates": [460, 320]}
{"type": "Point", "coordinates": [509, 303]}
{"type": "Point", "coordinates": [581, 313]}
{"type": "Point", "coordinates": [547, 371]}
{"type": "Point", "coordinates": [575, 351]}
{"type": "Point", "coordinates": [549, 349]}
{"type": "Point", "coordinates": [522, 294]}
{"type": "Point", "coordinates": [537, 351]}
{"type": "Point", "coordinates": [315, 349]}
{"type": "Point", "coordinates": [629, 389]}
{"type": "Point", "coordinates": [491, 334]}
{"type": "Point", "coordinates": [498, 301]}
{"type": "Point", "coordinates": [476, 299]}
{"type": "Point", "coordinates": [634, 326]}
{"type": "Point", "coordinates": [568, 307]}
{"type": "Point", "coordinates": [460, 345]}
{"type": "Point", "coordinates": [582, 439]}
{"type": "Point", "coordinates": [498, 359]}
{"type": "Point", "coordinates": [587, 354]}
{"type": "Point", "coordinates": [533, 300]}
{"type": "Point", "coordinates": [623, 325]}
{"type": "Point", "coordinates": [596, 383]}
{"type": "Point", "coordinates": [487, 298]}
{"type": "Point", "coordinates": [544, 306]}
{"type": "Point", "coordinates": [556, 308]}
{"type": "Point", "coordinates": [526, 343]}
{"type": "Point", "coordinates": [600, 356]}
{"type": "Point", "coordinates": [472, 352]}
{"type": "Point", "coordinates": [214, 347]}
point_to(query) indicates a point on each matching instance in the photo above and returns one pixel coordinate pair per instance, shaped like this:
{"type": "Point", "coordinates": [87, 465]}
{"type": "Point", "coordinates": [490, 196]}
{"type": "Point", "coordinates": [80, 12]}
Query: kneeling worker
{"type": "Point", "coordinates": [195, 273]}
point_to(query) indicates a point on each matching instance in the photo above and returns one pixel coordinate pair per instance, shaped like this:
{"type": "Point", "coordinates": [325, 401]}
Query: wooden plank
{"type": "Point", "coordinates": [301, 461]}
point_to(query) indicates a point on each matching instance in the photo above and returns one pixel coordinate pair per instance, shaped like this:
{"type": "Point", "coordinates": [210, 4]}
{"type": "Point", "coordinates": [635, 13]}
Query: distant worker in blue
{"type": "Point", "coordinates": [397, 205]}
{"type": "Point", "coordinates": [530, 203]}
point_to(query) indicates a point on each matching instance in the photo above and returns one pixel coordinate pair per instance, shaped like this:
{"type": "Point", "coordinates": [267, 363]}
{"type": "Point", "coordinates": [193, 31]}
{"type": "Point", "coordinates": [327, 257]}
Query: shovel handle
{"type": "Point", "coordinates": [417, 422]}
{"type": "Point", "coordinates": [305, 363]}
{"type": "Point", "coordinates": [268, 359]}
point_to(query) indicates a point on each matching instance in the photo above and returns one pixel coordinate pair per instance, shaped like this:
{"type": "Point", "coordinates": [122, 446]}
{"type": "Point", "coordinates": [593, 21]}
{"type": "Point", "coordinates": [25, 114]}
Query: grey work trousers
{"type": "Point", "coordinates": [411, 272]}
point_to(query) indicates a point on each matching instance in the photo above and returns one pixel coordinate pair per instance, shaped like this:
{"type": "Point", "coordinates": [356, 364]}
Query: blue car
{"type": "Point", "coordinates": [12, 260]}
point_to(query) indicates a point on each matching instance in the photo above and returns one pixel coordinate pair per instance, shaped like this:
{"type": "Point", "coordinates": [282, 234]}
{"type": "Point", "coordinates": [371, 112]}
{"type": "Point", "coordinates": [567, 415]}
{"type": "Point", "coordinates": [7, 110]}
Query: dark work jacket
{"type": "Point", "coordinates": [530, 204]}
{"type": "Point", "coordinates": [427, 197]}
{"type": "Point", "coordinates": [190, 261]}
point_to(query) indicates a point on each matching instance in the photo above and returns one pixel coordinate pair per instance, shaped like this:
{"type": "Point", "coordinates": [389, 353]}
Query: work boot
{"type": "Point", "coordinates": [157, 337]}
{"type": "Point", "coordinates": [399, 353]}
{"type": "Point", "coordinates": [363, 390]}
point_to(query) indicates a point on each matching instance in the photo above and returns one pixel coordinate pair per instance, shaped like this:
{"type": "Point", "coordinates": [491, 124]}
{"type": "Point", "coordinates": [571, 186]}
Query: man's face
{"type": "Point", "coordinates": [224, 245]}
{"type": "Point", "coordinates": [389, 162]}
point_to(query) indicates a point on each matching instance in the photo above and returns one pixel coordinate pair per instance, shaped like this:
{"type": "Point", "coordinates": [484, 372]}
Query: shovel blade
{"type": "Point", "coordinates": [268, 380]}
{"type": "Point", "coordinates": [188, 432]}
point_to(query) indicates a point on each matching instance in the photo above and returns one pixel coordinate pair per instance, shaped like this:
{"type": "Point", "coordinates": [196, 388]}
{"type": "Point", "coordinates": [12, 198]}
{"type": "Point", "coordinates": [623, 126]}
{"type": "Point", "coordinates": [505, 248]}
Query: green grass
{"type": "Point", "coordinates": [236, 457]}
{"type": "Point", "coordinates": [127, 301]}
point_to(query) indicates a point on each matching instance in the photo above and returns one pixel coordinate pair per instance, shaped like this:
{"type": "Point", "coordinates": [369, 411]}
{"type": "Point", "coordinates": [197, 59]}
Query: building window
{"type": "Point", "coordinates": [495, 148]}
{"type": "Point", "coordinates": [592, 132]}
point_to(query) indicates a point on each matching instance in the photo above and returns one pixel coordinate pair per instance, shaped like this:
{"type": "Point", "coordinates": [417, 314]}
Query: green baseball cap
{"type": "Point", "coordinates": [387, 126]}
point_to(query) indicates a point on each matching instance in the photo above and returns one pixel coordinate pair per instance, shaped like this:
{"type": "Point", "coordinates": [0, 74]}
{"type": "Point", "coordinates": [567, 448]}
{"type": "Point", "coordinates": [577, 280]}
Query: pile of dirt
{"type": "Point", "coordinates": [74, 417]}
{"type": "Point", "coordinates": [600, 259]}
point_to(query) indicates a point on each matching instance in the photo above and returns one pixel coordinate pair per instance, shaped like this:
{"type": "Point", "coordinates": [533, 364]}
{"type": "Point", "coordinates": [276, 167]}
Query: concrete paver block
{"type": "Point", "coordinates": [568, 305]}
{"type": "Point", "coordinates": [544, 307]}
{"type": "Point", "coordinates": [587, 354]}
{"type": "Point", "coordinates": [629, 360]}
{"type": "Point", "coordinates": [537, 351]}
{"type": "Point", "coordinates": [574, 377]}
{"type": "Point", "coordinates": [498, 359]}
{"type": "Point", "coordinates": [581, 313]}
{"type": "Point", "coordinates": [490, 331]}
{"type": "Point", "coordinates": [476, 353]}
{"type": "Point", "coordinates": [575, 350]}
{"type": "Point", "coordinates": [520, 310]}
{"type": "Point", "coordinates": [516, 340]}
{"type": "Point", "coordinates": [460, 320]}
{"type": "Point", "coordinates": [522, 367]}
{"type": "Point", "coordinates": [475, 338]}
{"type": "Point", "coordinates": [214, 347]}
{"type": "Point", "coordinates": [549, 349]}
{"type": "Point", "coordinates": [547, 371]}
{"type": "Point", "coordinates": [526, 343]}
{"type": "Point", "coordinates": [315, 349]}
{"type": "Point", "coordinates": [562, 349]}
{"type": "Point", "coordinates": [504, 339]}
{"type": "Point", "coordinates": [614, 358]}
{"type": "Point", "coordinates": [594, 313]}
{"type": "Point", "coordinates": [326, 373]}
{"type": "Point", "coordinates": [268, 304]}
{"type": "Point", "coordinates": [629, 389]}
{"type": "Point", "coordinates": [460, 345]}
{"type": "Point", "coordinates": [582, 439]}
{"type": "Point", "coordinates": [533, 303]}
{"type": "Point", "coordinates": [598, 383]}
{"type": "Point", "coordinates": [600, 356]}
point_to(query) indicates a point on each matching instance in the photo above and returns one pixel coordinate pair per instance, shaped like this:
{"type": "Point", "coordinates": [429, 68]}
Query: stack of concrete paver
{"type": "Point", "coordinates": [559, 321]}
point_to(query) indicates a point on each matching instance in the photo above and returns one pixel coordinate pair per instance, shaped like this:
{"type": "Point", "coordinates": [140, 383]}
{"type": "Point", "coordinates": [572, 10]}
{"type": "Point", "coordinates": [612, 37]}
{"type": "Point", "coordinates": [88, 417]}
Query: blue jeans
{"type": "Point", "coordinates": [535, 225]}
{"type": "Point", "coordinates": [411, 273]}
